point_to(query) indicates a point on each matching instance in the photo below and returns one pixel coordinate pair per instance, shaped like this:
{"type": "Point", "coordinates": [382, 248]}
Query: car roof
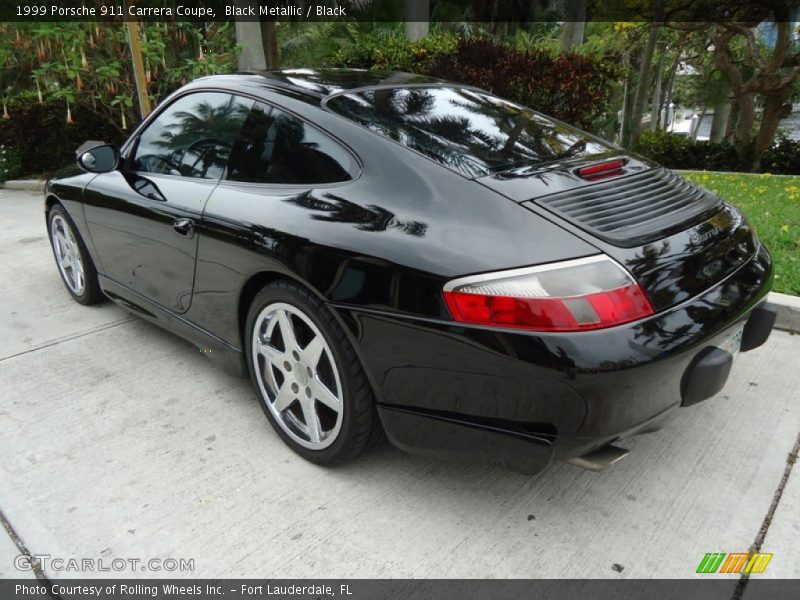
{"type": "Point", "coordinates": [314, 85]}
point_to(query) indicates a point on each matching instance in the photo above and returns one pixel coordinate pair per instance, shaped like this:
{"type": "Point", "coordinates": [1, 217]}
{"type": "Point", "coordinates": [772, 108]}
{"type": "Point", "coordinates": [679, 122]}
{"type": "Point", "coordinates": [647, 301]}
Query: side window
{"type": "Point", "coordinates": [276, 147]}
{"type": "Point", "coordinates": [193, 136]}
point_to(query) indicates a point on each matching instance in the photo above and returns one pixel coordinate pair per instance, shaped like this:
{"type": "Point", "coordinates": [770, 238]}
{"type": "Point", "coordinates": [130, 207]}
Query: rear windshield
{"type": "Point", "coordinates": [472, 132]}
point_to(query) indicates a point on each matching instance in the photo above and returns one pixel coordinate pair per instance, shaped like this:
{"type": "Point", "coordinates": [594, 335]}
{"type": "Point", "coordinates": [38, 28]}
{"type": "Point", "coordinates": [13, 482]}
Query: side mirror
{"type": "Point", "coordinates": [97, 157]}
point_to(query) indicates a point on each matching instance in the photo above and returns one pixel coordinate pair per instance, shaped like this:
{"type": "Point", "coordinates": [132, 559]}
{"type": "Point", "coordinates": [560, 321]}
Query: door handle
{"type": "Point", "coordinates": [183, 227]}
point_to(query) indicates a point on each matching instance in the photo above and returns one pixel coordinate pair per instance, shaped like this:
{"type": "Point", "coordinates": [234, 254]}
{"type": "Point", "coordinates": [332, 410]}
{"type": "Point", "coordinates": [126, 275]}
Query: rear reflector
{"type": "Point", "coordinates": [575, 295]}
{"type": "Point", "coordinates": [602, 170]}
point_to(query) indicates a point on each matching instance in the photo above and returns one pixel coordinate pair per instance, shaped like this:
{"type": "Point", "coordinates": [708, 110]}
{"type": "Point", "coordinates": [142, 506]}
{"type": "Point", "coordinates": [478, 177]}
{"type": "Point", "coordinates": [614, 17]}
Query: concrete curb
{"type": "Point", "coordinates": [28, 185]}
{"type": "Point", "coordinates": [788, 311]}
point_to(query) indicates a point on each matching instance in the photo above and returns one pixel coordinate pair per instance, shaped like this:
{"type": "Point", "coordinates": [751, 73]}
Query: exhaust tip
{"type": "Point", "coordinates": [600, 459]}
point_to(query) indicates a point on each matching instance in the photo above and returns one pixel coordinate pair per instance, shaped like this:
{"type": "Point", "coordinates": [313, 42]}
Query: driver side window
{"type": "Point", "coordinates": [193, 136]}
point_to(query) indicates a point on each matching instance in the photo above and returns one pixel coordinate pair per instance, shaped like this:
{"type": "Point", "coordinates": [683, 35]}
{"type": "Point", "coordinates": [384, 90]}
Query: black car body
{"type": "Point", "coordinates": [392, 224]}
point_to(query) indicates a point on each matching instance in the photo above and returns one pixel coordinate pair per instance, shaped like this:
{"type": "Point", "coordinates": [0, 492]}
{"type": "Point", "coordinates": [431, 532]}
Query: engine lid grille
{"type": "Point", "coordinates": [634, 209]}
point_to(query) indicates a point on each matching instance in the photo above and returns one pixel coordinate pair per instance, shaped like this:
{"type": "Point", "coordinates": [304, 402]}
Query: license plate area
{"type": "Point", "coordinates": [733, 342]}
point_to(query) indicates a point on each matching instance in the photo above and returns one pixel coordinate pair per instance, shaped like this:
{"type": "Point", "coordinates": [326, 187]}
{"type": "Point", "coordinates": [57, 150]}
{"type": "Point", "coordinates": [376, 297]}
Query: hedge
{"type": "Point", "coordinates": [680, 152]}
{"type": "Point", "coordinates": [43, 138]}
{"type": "Point", "coordinates": [571, 87]}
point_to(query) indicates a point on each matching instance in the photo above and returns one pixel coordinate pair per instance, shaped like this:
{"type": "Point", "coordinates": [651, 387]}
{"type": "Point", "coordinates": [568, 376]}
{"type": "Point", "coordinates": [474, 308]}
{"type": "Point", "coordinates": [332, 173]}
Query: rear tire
{"type": "Point", "coordinates": [72, 258]}
{"type": "Point", "coordinates": [312, 386]}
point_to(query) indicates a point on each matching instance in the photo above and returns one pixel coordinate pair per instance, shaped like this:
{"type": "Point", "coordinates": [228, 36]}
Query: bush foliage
{"type": "Point", "coordinates": [571, 87]}
{"type": "Point", "coordinates": [10, 163]}
{"type": "Point", "coordinates": [783, 157]}
{"type": "Point", "coordinates": [393, 51]}
{"type": "Point", "coordinates": [43, 141]}
{"type": "Point", "coordinates": [679, 152]}
{"type": "Point", "coordinates": [63, 83]}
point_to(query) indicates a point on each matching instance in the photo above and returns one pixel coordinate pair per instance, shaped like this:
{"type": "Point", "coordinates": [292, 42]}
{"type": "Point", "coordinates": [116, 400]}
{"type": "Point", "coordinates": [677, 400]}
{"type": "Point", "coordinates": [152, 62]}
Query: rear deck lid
{"type": "Point", "coordinates": [634, 209]}
{"type": "Point", "coordinates": [674, 237]}
{"type": "Point", "coordinates": [631, 204]}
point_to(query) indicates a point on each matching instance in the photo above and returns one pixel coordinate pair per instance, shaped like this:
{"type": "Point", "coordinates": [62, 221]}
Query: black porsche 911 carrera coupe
{"type": "Point", "coordinates": [386, 252]}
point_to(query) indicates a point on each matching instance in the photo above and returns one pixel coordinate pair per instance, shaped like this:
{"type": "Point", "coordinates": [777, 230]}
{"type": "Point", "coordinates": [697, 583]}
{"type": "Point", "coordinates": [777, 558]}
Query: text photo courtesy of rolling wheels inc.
{"type": "Point", "coordinates": [397, 298]}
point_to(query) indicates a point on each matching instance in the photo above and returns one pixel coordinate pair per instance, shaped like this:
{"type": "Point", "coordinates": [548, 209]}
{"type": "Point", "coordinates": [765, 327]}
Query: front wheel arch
{"type": "Point", "coordinates": [49, 202]}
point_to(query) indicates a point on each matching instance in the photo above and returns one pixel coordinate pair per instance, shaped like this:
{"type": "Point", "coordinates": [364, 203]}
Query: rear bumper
{"type": "Point", "coordinates": [709, 369]}
{"type": "Point", "coordinates": [523, 400]}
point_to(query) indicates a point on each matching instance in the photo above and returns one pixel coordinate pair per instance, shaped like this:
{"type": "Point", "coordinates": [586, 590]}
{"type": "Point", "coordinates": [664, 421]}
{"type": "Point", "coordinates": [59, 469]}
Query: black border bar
{"type": "Point", "coordinates": [709, 587]}
{"type": "Point", "coordinates": [678, 11]}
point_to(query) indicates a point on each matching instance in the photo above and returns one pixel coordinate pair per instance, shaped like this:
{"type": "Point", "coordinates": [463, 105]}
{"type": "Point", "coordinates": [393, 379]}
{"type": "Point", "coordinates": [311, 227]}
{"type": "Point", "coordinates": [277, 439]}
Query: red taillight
{"type": "Point", "coordinates": [576, 295]}
{"type": "Point", "coordinates": [602, 170]}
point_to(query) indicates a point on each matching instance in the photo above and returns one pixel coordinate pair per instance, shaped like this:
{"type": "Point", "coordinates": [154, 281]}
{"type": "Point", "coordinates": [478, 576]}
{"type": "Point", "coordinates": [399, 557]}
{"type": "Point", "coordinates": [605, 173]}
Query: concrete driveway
{"type": "Point", "coordinates": [118, 440]}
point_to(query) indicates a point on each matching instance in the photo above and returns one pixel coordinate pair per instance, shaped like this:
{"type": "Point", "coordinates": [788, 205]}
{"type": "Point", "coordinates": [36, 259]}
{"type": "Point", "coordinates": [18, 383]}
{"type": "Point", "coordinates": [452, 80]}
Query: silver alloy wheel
{"type": "Point", "coordinates": [68, 255]}
{"type": "Point", "coordinates": [297, 375]}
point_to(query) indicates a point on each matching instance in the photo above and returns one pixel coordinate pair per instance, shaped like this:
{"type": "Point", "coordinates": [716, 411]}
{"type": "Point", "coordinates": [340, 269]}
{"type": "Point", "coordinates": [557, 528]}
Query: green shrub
{"type": "Point", "coordinates": [393, 51]}
{"type": "Point", "coordinates": [10, 163]}
{"type": "Point", "coordinates": [782, 158]}
{"type": "Point", "coordinates": [571, 87]}
{"type": "Point", "coordinates": [44, 141]}
{"type": "Point", "coordinates": [680, 152]}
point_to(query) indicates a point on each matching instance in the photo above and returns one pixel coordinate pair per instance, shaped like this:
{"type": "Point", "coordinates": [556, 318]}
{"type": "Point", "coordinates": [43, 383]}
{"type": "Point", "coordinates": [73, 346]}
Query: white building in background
{"type": "Point", "coordinates": [768, 32]}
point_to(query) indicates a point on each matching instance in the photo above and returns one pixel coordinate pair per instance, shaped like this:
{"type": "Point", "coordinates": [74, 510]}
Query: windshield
{"type": "Point", "coordinates": [470, 131]}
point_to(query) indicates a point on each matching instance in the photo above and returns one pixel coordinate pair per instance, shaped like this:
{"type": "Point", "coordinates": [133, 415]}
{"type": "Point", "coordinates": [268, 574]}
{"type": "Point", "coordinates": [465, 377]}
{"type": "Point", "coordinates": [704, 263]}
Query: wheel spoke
{"type": "Point", "coordinates": [287, 331]}
{"type": "Point", "coordinates": [320, 391]}
{"type": "Point", "coordinates": [62, 240]}
{"type": "Point", "coordinates": [77, 275]}
{"type": "Point", "coordinates": [311, 353]}
{"type": "Point", "coordinates": [312, 422]}
{"type": "Point", "coordinates": [283, 399]}
{"type": "Point", "coordinates": [272, 354]}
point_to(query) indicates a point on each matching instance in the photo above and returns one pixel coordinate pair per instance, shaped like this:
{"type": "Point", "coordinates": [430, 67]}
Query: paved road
{"type": "Point", "coordinates": [118, 440]}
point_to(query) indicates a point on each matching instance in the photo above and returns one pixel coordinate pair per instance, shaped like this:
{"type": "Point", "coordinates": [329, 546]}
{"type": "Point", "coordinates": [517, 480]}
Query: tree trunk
{"type": "Point", "coordinates": [269, 40]}
{"type": "Point", "coordinates": [645, 71]}
{"type": "Point", "coordinates": [616, 104]}
{"type": "Point", "coordinates": [627, 109]}
{"type": "Point", "coordinates": [719, 124]}
{"type": "Point", "coordinates": [696, 128]}
{"type": "Point", "coordinates": [743, 133]}
{"type": "Point", "coordinates": [732, 119]}
{"type": "Point", "coordinates": [574, 25]}
{"type": "Point", "coordinates": [655, 106]}
{"type": "Point", "coordinates": [673, 69]}
{"type": "Point", "coordinates": [248, 37]}
{"type": "Point", "coordinates": [416, 14]}
{"type": "Point", "coordinates": [776, 107]}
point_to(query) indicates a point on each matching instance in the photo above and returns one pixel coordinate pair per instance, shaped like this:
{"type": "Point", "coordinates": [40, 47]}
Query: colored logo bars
{"type": "Point", "coordinates": [742, 562]}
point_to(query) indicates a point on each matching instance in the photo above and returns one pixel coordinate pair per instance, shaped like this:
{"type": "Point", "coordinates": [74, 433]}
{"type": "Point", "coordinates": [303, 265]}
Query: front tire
{"type": "Point", "coordinates": [72, 258]}
{"type": "Point", "coordinates": [310, 382]}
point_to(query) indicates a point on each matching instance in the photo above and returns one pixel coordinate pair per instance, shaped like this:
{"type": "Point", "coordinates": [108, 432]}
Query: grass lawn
{"type": "Point", "coordinates": [772, 205]}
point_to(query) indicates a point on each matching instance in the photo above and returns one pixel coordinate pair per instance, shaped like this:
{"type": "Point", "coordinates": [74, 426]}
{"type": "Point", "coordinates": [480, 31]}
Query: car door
{"type": "Point", "coordinates": [280, 187]}
{"type": "Point", "coordinates": [144, 217]}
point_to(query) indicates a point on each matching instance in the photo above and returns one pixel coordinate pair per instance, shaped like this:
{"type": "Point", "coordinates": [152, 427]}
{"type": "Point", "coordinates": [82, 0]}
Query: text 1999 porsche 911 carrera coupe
{"type": "Point", "coordinates": [390, 253]}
